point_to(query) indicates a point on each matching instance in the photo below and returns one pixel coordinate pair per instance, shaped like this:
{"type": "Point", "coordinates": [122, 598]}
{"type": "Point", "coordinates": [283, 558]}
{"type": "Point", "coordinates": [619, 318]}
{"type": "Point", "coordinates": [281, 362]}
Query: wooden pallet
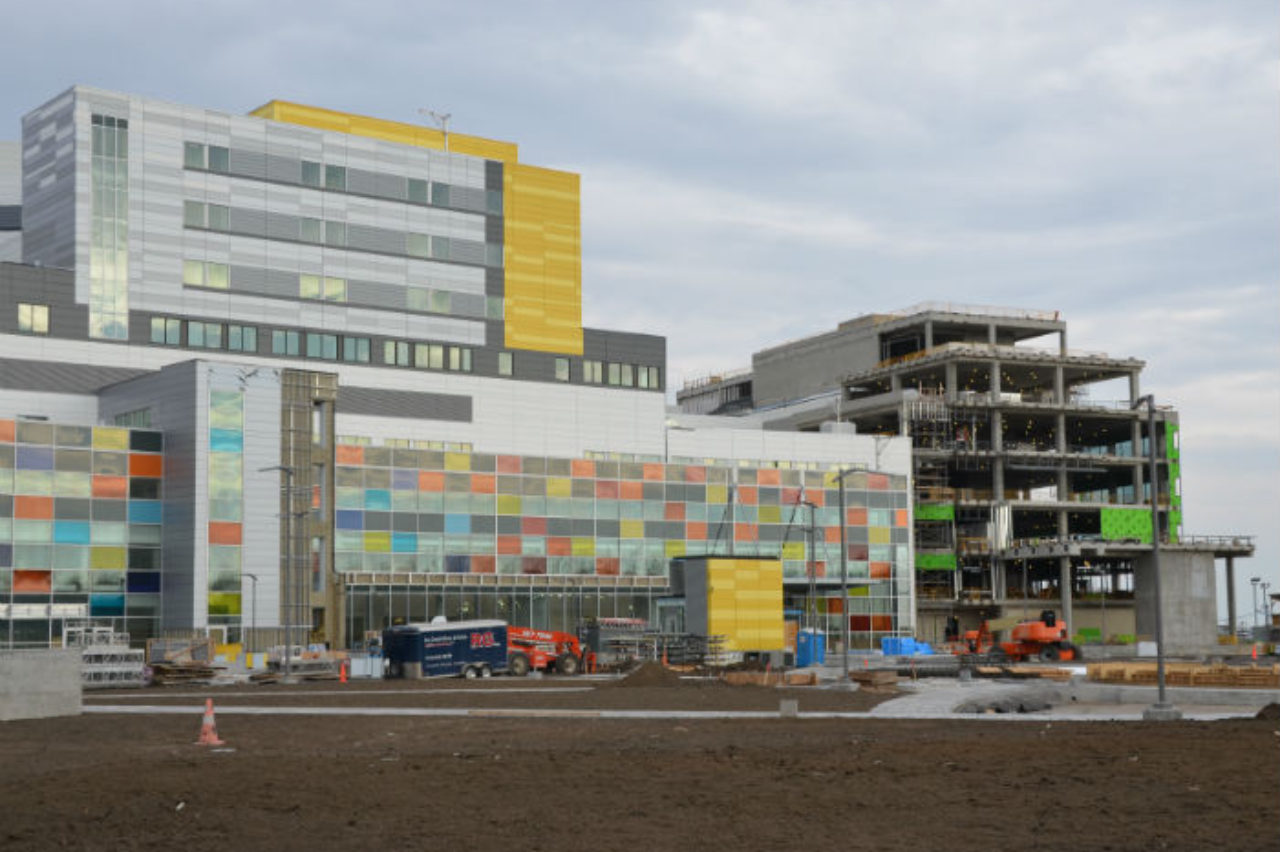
{"type": "Point", "coordinates": [1187, 674]}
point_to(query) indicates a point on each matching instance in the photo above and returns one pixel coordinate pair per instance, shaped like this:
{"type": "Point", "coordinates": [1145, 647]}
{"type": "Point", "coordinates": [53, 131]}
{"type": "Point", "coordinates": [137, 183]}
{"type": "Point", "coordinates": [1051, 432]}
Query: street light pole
{"type": "Point", "coordinates": [1162, 710]}
{"type": "Point", "coordinates": [253, 609]}
{"type": "Point", "coordinates": [1254, 581]}
{"type": "Point", "coordinates": [844, 570]}
{"type": "Point", "coordinates": [812, 608]}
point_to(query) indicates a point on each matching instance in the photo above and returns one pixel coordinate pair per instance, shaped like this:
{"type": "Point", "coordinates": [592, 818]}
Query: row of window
{"type": "Point", "coordinates": [167, 331]}
{"type": "Point", "coordinates": [329, 232]}
{"type": "Point", "coordinates": [33, 319]}
{"type": "Point", "coordinates": [334, 178]}
{"type": "Point", "coordinates": [427, 356]}
{"type": "Point", "coordinates": [620, 375]}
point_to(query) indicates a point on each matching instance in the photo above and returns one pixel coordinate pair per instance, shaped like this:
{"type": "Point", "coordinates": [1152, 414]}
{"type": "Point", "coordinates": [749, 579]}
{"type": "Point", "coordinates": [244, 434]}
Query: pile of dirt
{"type": "Point", "coordinates": [1270, 713]}
{"type": "Point", "coordinates": [650, 674]}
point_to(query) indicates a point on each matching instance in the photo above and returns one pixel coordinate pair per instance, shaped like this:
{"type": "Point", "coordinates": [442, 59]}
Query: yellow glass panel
{"type": "Point", "coordinates": [108, 438]}
{"type": "Point", "coordinates": [508, 504]}
{"type": "Point", "coordinates": [557, 487]}
{"type": "Point", "coordinates": [631, 529]}
{"type": "Point", "coordinates": [674, 549]}
{"type": "Point", "coordinates": [878, 535]}
{"type": "Point", "coordinates": [457, 461]}
{"type": "Point", "coordinates": [860, 592]}
{"type": "Point", "coordinates": [107, 558]}
{"type": "Point", "coordinates": [717, 494]}
{"type": "Point", "coordinates": [584, 547]}
{"type": "Point", "coordinates": [388, 131]}
{"type": "Point", "coordinates": [770, 514]}
{"type": "Point", "coordinates": [542, 301]}
{"type": "Point", "coordinates": [224, 603]}
{"type": "Point", "coordinates": [793, 550]}
{"type": "Point", "coordinates": [377, 542]}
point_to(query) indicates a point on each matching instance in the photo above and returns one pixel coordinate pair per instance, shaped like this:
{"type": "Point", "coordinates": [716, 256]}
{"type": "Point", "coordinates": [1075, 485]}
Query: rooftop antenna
{"type": "Point", "coordinates": [441, 120]}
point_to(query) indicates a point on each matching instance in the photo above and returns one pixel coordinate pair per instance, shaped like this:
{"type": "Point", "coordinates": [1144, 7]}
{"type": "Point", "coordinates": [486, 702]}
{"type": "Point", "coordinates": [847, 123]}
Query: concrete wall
{"type": "Point", "coordinates": [818, 363]}
{"type": "Point", "coordinates": [39, 684]}
{"type": "Point", "coordinates": [1187, 591]}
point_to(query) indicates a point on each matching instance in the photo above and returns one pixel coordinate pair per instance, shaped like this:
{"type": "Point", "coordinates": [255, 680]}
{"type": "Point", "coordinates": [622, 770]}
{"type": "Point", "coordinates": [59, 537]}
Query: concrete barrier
{"type": "Point", "coordinates": [39, 684]}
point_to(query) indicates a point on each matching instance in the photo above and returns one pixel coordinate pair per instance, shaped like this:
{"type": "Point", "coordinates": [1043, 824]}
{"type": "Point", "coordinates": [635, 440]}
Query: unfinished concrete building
{"type": "Point", "coordinates": [1030, 466]}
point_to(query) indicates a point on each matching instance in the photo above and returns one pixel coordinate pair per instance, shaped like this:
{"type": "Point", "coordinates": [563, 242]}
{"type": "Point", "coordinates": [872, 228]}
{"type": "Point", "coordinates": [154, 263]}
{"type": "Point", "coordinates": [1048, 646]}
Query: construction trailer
{"type": "Point", "coordinates": [467, 648]}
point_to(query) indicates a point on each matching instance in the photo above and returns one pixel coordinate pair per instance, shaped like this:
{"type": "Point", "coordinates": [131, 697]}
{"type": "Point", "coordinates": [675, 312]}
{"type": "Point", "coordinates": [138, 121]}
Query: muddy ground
{"type": "Point", "coordinates": [397, 782]}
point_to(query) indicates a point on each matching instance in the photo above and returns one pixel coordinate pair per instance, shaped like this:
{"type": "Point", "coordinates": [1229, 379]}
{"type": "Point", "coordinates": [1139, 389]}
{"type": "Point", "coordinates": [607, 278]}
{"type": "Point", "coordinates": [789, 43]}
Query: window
{"type": "Point", "coordinates": [440, 248]}
{"type": "Point", "coordinates": [493, 201]}
{"type": "Point", "coordinates": [647, 377]}
{"type": "Point", "coordinates": [440, 301]}
{"type": "Point", "coordinates": [506, 365]}
{"type": "Point", "coordinates": [493, 308]}
{"type": "Point", "coordinates": [309, 286]}
{"type": "Point", "coordinates": [417, 191]}
{"type": "Point", "coordinates": [418, 245]}
{"type": "Point", "coordinates": [206, 335]}
{"type": "Point", "coordinates": [284, 342]}
{"type": "Point", "coordinates": [219, 159]}
{"type": "Point", "coordinates": [593, 372]}
{"type": "Point", "coordinates": [355, 349]}
{"type": "Point", "coordinates": [335, 233]}
{"type": "Point", "coordinates": [166, 331]}
{"type": "Point", "coordinates": [460, 359]}
{"type": "Point", "coordinates": [562, 369]}
{"type": "Point", "coordinates": [193, 155]}
{"type": "Point", "coordinates": [242, 338]}
{"type": "Point", "coordinates": [335, 177]}
{"type": "Point", "coordinates": [440, 194]}
{"type": "Point", "coordinates": [322, 346]}
{"type": "Point", "coordinates": [615, 374]}
{"type": "Point", "coordinates": [310, 230]}
{"type": "Point", "coordinates": [627, 375]}
{"type": "Point", "coordinates": [435, 358]}
{"type": "Point", "coordinates": [335, 289]}
{"type": "Point", "coordinates": [33, 319]}
{"type": "Point", "coordinates": [140, 419]}
{"type": "Point", "coordinates": [193, 214]}
{"type": "Point", "coordinates": [217, 276]}
{"type": "Point", "coordinates": [396, 352]}
{"type": "Point", "coordinates": [493, 255]}
{"type": "Point", "coordinates": [193, 273]}
{"type": "Point", "coordinates": [219, 217]}
{"type": "Point", "coordinates": [310, 173]}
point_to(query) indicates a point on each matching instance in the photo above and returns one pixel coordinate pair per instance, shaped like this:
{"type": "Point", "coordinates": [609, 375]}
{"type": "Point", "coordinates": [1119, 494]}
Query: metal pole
{"type": "Point", "coordinates": [1162, 709]}
{"type": "Point", "coordinates": [1254, 581]}
{"type": "Point", "coordinates": [253, 610]}
{"type": "Point", "coordinates": [811, 607]}
{"type": "Point", "coordinates": [286, 594]}
{"type": "Point", "coordinates": [844, 571]}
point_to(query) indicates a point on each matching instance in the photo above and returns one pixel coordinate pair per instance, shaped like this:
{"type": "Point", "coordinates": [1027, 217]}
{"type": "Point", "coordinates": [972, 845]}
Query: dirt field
{"type": "Point", "coordinates": [395, 782]}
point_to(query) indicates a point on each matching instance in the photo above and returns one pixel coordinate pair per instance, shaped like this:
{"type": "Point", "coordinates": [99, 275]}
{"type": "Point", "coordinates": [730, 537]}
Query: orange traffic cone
{"type": "Point", "coordinates": [209, 729]}
{"type": "Point", "coordinates": [1255, 651]}
{"type": "Point", "coordinates": [342, 672]}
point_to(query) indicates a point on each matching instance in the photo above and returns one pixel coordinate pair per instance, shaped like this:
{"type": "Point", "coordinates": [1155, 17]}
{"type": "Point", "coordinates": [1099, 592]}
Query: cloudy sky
{"type": "Point", "coordinates": [758, 171]}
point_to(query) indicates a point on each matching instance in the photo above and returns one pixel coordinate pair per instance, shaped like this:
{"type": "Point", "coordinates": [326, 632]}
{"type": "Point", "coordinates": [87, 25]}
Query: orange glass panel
{"type": "Point", "coordinates": [695, 531]}
{"type": "Point", "coordinates": [430, 480]}
{"type": "Point", "coordinates": [484, 564]}
{"type": "Point", "coordinates": [831, 535]}
{"type": "Point", "coordinates": [508, 464]}
{"type": "Point", "coordinates": [6, 431]}
{"type": "Point", "coordinates": [26, 506]}
{"type": "Point", "coordinates": [116, 487]}
{"type": "Point", "coordinates": [32, 582]}
{"type": "Point", "coordinates": [882, 623]}
{"type": "Point", "coordinates": [695, 473]}
{"type": "Point", "coordinates": [900, 518]}
{"type": "Point", "coordinates": [606, 489]}
{"type": "Point", "coordinates": [769, 477]}
{"type": "Point", "coordinates": [483, 483]}
{"type": "Point", "coordinates": [146, 464]}
{"type": "Point", "coordinates": [817, 497]}
{"type": "Point", "coordinates": [790, 496]}
{"type": "Point", "coordinates": [584, 468]}
{"type": "Point", "coordinates": [674, 512]}
{"type": "Point", "coordinates": [631, 490]}
{"type": "Point", "coordinates": [745, 532]}
{"type": "Point", "coordinates": [654, 472]}
{"type": "Point", "coordinates": [533, 526]}
{"type": "Point", "coordinates": [224, 532]}
{"type": "Point", "coordinates": [877, 482]}
{"type": "Point", "coordinates": [608, 566]}
{"type": "Point", "coordinates": [349, 454]}
{"type": "Point", "coordinates": [509, 545]}
{"type": "Point", "coordinates": [748, 495]}
{"type": "Point", "coordinates": [880, 570]}
{"type": "Point", "coordinates": [559, 547]}
{"type": "Point", "coordinates": [856, 517]}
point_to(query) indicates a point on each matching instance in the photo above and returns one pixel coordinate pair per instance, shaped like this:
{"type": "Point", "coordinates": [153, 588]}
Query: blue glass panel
{"type": "Point", "coordinates": [34, 458]}
{"type": "Point", "coordinates": [71, 532]}
{"type": "Point", "coordinates": [404, 542]}
{"type": "Point", "coordinates": [402, 480]}
{"type": "Point", "coordinates": [349, 519]}
{"type": "Point", "coordinates": [145, 511]}
{"type": "Point", "coordinates": [457, 524]}
{"type": "Point", "coordinates": [377, 499]}
{"type": "Point", "coordinates": [106, 604]}
{"type": "Point", "coordinates": [226, 441]}
{"type": "Point", "coordinates": [143, 582]}
{"type": "Point", "coordinates": [6, 555]}
{"type": "Point", "coordinates": [457, 564]}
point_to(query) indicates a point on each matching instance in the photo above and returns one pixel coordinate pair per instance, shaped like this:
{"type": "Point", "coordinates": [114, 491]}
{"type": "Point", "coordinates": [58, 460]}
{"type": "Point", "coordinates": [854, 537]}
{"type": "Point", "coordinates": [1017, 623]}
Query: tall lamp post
{"type": "Point", "coordinates": [1254, 581]}
{"type": "Point", "coordinates": [253, 609]}
{"type": "Point", "coordinates": [287, 595]}
{"type": "Point", "coordinates": [844, 571]}
{"type": "Point", "coordinates": [1162, 710]}
{"type": "Point", "coordinates": [812, 608]}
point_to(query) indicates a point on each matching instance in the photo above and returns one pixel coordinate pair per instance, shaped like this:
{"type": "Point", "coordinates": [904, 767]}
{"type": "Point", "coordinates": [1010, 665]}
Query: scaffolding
{"type": "Point", "coordinates": [107, 661]}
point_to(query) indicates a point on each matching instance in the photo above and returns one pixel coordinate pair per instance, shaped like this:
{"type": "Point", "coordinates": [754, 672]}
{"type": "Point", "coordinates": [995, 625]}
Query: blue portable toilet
{"type": "Point", "coordinates": [811, 647]}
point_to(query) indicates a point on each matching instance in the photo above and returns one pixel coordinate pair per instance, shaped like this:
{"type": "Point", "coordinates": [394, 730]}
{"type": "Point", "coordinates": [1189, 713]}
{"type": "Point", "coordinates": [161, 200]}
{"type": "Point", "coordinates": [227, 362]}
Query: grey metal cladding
{"type": "Point", "coordinates": [284, 169]}
{"type": "Point", "coordinates": [468, 304]}
{"type": "Point", "coordinates": [494, 229]}
{"type": "Point", "coordinates": [624, 347]}
{"type": "Point", "coordinates": [376, 294]}
{"type": "Point", "coordinates": [11, 217]}
{"type": "Point", "coordinates": [362, 181]}
{"type": "Point", "coordinates": [495, 337]}
{"type": "Point", "coordinates": [246, 221]}
{"type": "Point", "coordinates": [282, 226]}
{"type": "Point", "coordinates": [495, 282]}
{"type": "Point", "coordinates": [493, 174]}
{"type": "Point", "coordinates": [54, 377]}
{"type": "Point", "coordinates": [412, 405]}
{"type": "Point", "coordinates": [380, 240]}
{"type": "Point", "coordinates": [466, 251]}
{"type": "Point", "coordinates": [248, 163]}
{"type": "Point", "coordinates": [467, 198]}
{"type": "Point", "coordinates": [390, 186]}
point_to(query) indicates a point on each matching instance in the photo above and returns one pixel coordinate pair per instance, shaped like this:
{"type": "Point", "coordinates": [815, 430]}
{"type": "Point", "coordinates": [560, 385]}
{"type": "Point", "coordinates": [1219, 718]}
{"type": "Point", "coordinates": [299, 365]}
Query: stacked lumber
{"type": "Point", "coordinates": [1187, 674]}
{"type": "Point", "coordinates": [874, 677]}
{"type": "Point", "coordinates": [167, 674]}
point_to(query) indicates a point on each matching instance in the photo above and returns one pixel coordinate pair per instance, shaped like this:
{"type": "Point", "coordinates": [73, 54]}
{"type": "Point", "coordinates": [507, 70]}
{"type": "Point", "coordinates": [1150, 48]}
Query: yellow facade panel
{"type": "Point", "coordinates": [543, 259]}
{"type": "Point", "coordinates": [744, 603]}
{"type": "Point", "coordinates": [319, 118]}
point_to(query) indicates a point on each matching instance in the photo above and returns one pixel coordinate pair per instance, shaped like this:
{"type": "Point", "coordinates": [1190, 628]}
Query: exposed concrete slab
{"type": "Point", "coordinates": [39, 684]}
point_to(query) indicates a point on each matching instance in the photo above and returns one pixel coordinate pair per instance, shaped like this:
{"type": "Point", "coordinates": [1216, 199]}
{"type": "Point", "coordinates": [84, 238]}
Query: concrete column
{"type": "Point", "coordinates": [1061, 428]}
{"type": "Point", "coordinates": [928, 334]}
{"type": "Point", "coordinates": [1135, 387]}
{"type": "Point", "coordinates": [995, 378]}
{"type": "Point", "coordinates": [1059, 386]}
{"type": "Point", "coordinates": [1062, 341]}
{"type": "Point", "coordinates": [1064, 585]}
{"type": "Point", "coordinates": [997, 432]}
{"type": "Point", "coordinates": [1136, 438]}
{"type": "Point", "coordinates": [1190, 610]}
{"type": "Point", "coordinates": [991, 333]}
{"type": "Point", "coordinates": [895, 382]}
{"type": "Point", "coordinates": [1231, 594]}
{"type": "Point", "coordinates": [951, 381]}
